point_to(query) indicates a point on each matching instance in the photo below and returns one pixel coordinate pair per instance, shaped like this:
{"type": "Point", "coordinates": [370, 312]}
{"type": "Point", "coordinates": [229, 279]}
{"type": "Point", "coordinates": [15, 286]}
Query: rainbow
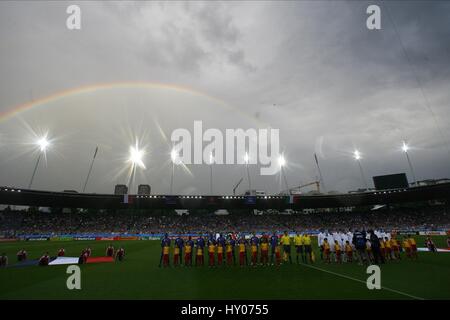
{"type": "Point", "coordinates": [101, 86]}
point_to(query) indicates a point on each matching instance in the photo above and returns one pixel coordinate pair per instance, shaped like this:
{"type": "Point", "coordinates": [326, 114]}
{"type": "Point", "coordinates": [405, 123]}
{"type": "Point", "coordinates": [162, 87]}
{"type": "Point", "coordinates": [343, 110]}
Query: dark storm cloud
{"type": "Point", "coordinates": [310, 68]}
{"type": "Point", "coordinates": [186, 36]}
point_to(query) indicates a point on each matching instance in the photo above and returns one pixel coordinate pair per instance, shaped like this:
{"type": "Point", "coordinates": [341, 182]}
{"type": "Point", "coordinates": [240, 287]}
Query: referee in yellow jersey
{"type": "Point", "coordinates": [298, 242]}
{"type": "Point", "coordinates": [307, 247]}
{"type": "Point", "coordinates": [286, 241]}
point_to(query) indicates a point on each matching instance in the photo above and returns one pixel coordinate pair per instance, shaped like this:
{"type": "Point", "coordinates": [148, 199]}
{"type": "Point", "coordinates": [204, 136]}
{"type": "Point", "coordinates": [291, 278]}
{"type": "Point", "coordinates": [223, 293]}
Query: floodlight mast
{"type": "Point", "coordinates": [34, 171]}
{"type": "Point", "coordinates": [90, 169]}
{"type": "Point", "coordinates": [43, 144]}
{"type": "Point", "coordinates": [405, 149]}
{"type": "Point", "coordinates": [282, 163]}
{"type": "Point", "coordinates": [174, 157]}
{"type": "Point", "coordinates": [136, 160]}
{"type": "Point", "coordinates": [211, 160]}
{"type": "Point", "coordinates": [131, 181]}
{"type": "Point", "coordinates": [320, 173]}
{"type": "Point", "coordinates": [357, 157]}
{"type": "Point", "coordinates": [247, 159]}
{"type": "Point", "coordinates": [237, 185]}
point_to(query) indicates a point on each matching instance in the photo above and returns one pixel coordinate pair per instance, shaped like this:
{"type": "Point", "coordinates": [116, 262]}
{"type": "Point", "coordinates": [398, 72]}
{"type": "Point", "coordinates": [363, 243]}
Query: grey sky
{"type": "Point", "coordinates": [311, 69]}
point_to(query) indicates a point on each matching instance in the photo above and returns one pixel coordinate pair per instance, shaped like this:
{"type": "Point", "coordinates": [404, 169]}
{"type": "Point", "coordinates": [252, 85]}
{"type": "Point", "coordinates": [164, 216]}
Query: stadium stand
{"type": "Point", "coordinates": [16, 223]}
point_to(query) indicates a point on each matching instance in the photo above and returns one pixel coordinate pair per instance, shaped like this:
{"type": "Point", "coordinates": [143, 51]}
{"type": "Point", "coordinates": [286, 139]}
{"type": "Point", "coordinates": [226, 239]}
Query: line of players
{"type": "Point", "coordinates": [265, 250]}
{"type": "Point", "coordinates": [366, 247]}
{"type": "Point", "coordinates": [369, 247]}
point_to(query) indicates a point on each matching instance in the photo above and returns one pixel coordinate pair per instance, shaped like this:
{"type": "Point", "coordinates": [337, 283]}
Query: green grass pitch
{"type": "Point", "coordinates": [139, 277]}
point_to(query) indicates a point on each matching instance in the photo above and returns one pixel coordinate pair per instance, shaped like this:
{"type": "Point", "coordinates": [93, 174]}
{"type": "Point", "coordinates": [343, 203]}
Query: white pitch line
{"type": "Point", "coordinates": [361, 281]}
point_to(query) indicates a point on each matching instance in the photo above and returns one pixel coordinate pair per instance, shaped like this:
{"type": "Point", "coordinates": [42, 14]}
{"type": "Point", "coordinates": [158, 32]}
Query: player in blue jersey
{"type": "Point", "coordinates": [242, 243]}
{"type": "Point", "coordinates": [221, 240]}
{"type": "Point", "coordinates": [221, 243]}
{"type": "Point", "coordinates": [189, 243]}
{"type": "Point", "coordinates": [179, 243]}
{"type": "Point", "coordinates": [359, 241]}
{"type": "Point", "coordinates": [165, 245]}
{"type": "Point", "coordinates": [200, 246]}
{"type": "Point", "coordinates": [254, 244]}
{"type": "Point", "coordinates": [273, 245]}
{"type": "Point", "coordinates": [210, 244]}
{"type": "Point", "coordinates": [211, 239]}
{"type": "Point", "coordinates": [232, 243]}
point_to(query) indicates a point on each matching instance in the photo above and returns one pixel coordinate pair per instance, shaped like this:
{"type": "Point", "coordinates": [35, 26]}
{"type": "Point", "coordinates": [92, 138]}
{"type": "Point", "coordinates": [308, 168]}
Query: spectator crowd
{"type": "Point", "coordinates": [22, 222]}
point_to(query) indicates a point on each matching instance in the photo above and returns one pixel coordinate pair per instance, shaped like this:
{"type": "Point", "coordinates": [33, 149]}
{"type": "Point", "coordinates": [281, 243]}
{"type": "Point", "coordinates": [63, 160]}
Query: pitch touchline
{"type": "Point", "coordinates": [354, 279]}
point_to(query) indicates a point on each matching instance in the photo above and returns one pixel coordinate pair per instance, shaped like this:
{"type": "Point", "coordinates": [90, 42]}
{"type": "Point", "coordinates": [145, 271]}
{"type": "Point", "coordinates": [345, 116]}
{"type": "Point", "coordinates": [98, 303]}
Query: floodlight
{"type": "Point", "coordinates": [246, 158]}
{"type": "Point", "coordinates": [405, 147]}
{"type": "Point", "coordinates": [136, 156]}
{"type": "Point", "coordinates": [174, 156]}
{"type": "Point", "coordinates": [282, 161]}
{"type": "Point", "coordinates": [43, 144]}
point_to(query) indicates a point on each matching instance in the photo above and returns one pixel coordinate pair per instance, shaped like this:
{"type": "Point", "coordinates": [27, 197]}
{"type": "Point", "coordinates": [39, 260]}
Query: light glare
{"type": "Point", "coordinates": [43, 144]}
{"type": "Point", "coordinates": [136, 156]}
{"type": "Point", "coordinates": [246, 158]}
{"type": "Point", "coordinates": [357, 155]}
{"type": "Point", "coordinates": [405, 147]}
{"type": "Point", "coordinates": [174, 155]}
{"type": "Point", "coordinates": [282, 161]}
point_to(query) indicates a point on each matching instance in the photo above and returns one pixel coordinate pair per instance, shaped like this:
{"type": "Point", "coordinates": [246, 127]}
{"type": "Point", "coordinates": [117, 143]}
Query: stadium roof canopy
{"type": "Point", "coordinates": [36, 198]}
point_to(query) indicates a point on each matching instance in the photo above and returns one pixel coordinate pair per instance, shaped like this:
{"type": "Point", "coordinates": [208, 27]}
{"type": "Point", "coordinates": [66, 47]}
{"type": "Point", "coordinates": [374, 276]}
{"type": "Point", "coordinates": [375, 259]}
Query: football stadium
{"type": "Point", "coordinates": [224, 151]}
{"type": "Point", "coordinates": [120, 242]}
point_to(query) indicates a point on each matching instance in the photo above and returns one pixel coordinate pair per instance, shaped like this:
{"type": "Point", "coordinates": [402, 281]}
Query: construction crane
{"type": "Point", "coordinates": [317, 183]}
